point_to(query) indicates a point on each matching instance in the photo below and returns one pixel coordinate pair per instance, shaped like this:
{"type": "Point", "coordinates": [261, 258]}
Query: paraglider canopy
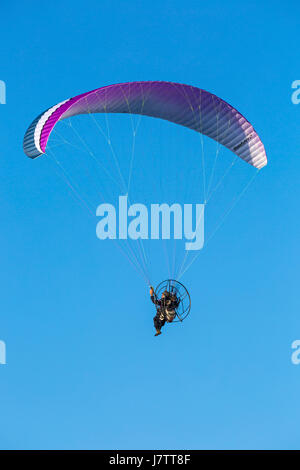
{"type": "Point", "coordinates": [98, 161]}
{"type": "Point", "coordinates": [181, 104]}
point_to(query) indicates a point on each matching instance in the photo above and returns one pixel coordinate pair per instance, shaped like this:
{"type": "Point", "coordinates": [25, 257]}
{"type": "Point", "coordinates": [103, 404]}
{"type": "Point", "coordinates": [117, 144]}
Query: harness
{"type": "Point", "coordinates": [167, 310]}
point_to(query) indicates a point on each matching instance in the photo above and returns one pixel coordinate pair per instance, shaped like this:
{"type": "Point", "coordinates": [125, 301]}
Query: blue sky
{"type": "Point", "coordinates": [83, 368]}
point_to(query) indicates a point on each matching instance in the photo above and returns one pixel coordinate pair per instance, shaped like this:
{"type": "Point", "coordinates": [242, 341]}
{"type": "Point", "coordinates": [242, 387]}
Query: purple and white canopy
{"type": "Point", "coordinates": [181, 104]}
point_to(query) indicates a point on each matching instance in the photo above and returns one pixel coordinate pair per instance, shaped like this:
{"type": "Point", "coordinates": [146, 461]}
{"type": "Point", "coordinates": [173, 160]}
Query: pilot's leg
{"type": "Point", "coordinates": [158, 323]}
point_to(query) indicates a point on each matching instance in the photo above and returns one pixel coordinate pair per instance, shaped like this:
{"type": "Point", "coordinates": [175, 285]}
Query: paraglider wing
{"type": "Point", "coordinates": [181, 104]}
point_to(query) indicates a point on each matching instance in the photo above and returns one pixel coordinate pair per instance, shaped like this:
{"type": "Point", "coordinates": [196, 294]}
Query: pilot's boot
{"type": "Point", "coordinates": [158, 332]}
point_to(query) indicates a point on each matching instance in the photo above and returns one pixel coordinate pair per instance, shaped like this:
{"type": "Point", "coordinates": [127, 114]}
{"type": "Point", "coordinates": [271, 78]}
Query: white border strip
{"type": "Point", "coordinates": [40, 125]}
